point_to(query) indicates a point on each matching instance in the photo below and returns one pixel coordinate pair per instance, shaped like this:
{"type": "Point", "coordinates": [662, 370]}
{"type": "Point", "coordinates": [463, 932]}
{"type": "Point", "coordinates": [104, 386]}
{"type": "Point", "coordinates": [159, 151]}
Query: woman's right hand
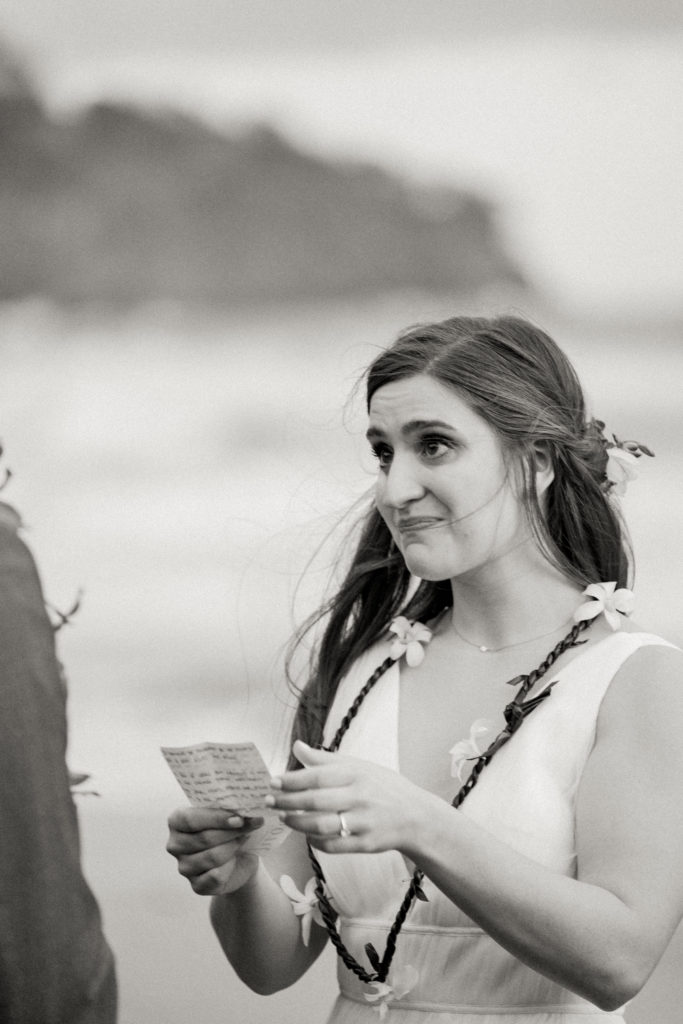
{"type": "Point", "coordinates": [207, 843]}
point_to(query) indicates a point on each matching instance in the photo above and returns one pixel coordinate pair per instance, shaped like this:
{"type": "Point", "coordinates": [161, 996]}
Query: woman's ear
{"type": "Point", "coordinates": [543, 465]}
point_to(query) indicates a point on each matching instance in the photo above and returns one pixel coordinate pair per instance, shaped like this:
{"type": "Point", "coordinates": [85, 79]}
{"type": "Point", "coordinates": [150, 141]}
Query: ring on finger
{"type": "Point", "coordinates": [344, 830]}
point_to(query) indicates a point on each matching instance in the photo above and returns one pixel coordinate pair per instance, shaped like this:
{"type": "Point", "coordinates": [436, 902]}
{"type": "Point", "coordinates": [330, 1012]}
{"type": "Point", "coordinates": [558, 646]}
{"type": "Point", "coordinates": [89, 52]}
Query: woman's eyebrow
{"type": "Point", "coordinates": [411, 427]}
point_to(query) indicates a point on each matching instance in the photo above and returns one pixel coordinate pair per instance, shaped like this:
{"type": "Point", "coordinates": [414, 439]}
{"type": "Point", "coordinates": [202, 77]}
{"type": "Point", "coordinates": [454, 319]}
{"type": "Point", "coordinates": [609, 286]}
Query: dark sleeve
{"type": "Point", "coordinates": [55, 966]}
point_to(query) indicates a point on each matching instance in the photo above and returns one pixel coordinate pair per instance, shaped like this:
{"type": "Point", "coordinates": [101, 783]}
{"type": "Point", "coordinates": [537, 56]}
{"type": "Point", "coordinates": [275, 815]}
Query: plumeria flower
{"type": "Point", "coordinates": [409, 640]}
{"type": "Point", "coordinates": [400, 982]}
{"type": "Point", "coordinates": [304, 904]}
{"type": "Point", "coordinates": [606, 598]}
{"type": "Point", "coordinates": [480, 734]}
{"type": "Point", "coordinates": [621, 468]}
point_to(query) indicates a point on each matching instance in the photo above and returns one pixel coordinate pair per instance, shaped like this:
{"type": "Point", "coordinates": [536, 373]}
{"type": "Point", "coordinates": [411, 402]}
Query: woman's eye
{"type": "Point", "coordinates": [434, 447]}
{"type": "Point", "coordinates": [382, 454]}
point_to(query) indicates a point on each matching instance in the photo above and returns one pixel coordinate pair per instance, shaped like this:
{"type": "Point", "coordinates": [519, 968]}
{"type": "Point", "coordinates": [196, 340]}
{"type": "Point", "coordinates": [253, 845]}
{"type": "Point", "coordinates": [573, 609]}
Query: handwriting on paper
{"type": "Point", "coordinates": [230, 775]}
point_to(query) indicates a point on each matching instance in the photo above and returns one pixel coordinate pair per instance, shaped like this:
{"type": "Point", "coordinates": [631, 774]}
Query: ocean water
{"type": "Point", "coordinates": [180, 467]}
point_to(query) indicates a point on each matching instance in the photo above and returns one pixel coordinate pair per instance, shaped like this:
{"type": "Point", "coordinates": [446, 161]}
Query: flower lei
{"type": "Point", "coordinates": [409, 640]}
{"type": "Point", "coordinates": [607, 600]}
{"type": "Point", "coordinates": [304, 904]}
{"type": "Point", "coordinates": [403, 979]}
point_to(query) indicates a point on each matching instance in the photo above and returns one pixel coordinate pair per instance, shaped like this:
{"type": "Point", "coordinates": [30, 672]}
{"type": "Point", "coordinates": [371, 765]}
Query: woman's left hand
{"type": "Point", "coordinates": [379, 807]}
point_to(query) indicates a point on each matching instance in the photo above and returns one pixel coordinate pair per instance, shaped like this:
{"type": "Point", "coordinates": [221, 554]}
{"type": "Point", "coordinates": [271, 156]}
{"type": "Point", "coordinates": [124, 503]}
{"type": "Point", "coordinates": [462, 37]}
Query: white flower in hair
{"type": "Point", "coordinates": [606, 598]}
{"type": "Point", "coordinates": [409, 640]}
{"type": "Point", "coordinates": [304, 904]}
{"type": "Point", "coordinates": [622, 457]}
{"type": "Point", "coordinates": [401, 980]}
{"type": "Point", "coordinates": [621, 468]}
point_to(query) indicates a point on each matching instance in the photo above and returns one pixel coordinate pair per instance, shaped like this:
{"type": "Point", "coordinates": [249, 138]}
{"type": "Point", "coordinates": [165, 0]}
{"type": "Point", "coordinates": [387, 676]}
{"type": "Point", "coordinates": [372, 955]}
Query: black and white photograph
{"type": "Point", "coordinates": [340, 550]}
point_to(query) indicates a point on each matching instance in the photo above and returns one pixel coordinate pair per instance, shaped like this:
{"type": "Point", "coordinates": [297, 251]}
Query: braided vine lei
{"type": "Point", "coordinates": [515, 713]}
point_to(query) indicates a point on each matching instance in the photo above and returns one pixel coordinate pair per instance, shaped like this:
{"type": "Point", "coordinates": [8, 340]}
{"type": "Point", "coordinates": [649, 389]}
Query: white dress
{"type": "Point", "coordinates": [525, 797]}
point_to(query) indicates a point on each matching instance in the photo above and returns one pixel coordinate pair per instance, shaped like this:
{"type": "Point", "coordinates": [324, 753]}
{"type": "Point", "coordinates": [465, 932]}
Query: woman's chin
{"type": "Point", "coordinates": [426, 569]}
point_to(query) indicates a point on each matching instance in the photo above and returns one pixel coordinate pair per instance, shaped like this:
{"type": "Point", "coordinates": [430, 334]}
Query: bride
{"type": "Point", "coordinates": [484, 791]}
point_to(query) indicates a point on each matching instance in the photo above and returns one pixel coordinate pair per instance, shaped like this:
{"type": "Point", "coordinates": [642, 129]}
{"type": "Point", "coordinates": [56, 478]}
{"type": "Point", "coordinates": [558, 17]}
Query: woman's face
{"type": "Point", "coordinates": [443, 487]}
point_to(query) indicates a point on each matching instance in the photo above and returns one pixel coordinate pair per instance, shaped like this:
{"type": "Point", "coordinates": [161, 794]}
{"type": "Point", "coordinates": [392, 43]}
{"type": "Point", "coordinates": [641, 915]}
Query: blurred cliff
{"type": "Point", "coordinates": [120, 205]}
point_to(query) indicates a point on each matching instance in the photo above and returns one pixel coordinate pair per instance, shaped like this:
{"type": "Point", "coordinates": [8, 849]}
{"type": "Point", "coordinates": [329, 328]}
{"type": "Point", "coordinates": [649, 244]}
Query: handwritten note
{"type": "Point", "coordinates": [230, 775]}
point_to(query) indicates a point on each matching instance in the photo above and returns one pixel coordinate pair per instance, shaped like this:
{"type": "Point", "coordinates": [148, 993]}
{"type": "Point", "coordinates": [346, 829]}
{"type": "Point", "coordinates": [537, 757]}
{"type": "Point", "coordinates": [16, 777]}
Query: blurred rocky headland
{"type": "Point", "coordinates": [123, 205]}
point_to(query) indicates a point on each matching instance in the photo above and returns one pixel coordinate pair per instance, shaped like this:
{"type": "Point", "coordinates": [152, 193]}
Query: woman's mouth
{"type": "Point", "coordinates": [411, 524]}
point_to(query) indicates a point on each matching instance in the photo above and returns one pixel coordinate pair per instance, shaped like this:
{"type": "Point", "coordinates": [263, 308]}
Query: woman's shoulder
{"type": "Point", "coordinates": [628, 640]}
{"type": "Point", "coordinates": [647, 657]}
{"type": "Point", "coordinates": [647, 687]}
{"type": "Point", "coordinates": [633, 628]}
{"type": "Point", "coordinates": [646, 650]}
{"type": "Point", "coordinates": [604, 653]}
{"type": "Point", "coordinates": [651, 658]}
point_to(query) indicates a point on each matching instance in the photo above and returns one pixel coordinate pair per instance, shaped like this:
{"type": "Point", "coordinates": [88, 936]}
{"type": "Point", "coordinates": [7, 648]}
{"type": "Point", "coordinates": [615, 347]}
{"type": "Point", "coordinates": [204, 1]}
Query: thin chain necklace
{"type": "Point", "coordinates": [515, 713]}
{"type": "Point", "coordinates": [505, 647]}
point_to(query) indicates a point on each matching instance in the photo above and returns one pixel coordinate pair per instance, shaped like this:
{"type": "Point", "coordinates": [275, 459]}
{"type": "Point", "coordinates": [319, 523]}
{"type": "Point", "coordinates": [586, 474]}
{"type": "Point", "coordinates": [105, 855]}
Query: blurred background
{"type": "Point", "coordinates": [213, 214]}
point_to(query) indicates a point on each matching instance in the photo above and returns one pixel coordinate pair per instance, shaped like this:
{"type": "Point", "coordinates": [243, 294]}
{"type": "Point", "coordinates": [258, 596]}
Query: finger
{"type": "Point", "coordinates": [193, 864]}
{"type": "Point", "coordinates": [337, 773]}
{"type": "Point", "coordinates": [192, 842]}
{"type": "Point", "coordinates": [309, 756]}
{"type": "Point", "coordinates": [339, 844]}
{"type": "Point", "coordinates": [332, 799]}
{"type": "Point", "coordinates": [200, 819]}
{"type": "Point", "coordinates": [249, 823]}
{"type": "Point", "coordinates": [197, 819]}
{"type": "Point", "coordinates": [222, 879]}
{"type": "Point", "coordinates": [323, 826]}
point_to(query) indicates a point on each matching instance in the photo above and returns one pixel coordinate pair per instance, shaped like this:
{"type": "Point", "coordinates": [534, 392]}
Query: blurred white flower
{"type": "Point", "coordinates": [409, 640]}
{"type": "Point", "coordinates": [480, 733]}
{"type": "Point", "coordinates": [621, 468]}
{"type": "Point", "coordinates": [399, 983]}
{"type": "Point", "coordinates": [606, 598]}
{"type": "Point", "coordinates": [304, 904]}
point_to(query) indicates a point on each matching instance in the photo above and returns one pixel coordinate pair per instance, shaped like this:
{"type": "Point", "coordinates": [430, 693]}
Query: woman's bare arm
{"type": "Point", "coordinates": [257, 928]}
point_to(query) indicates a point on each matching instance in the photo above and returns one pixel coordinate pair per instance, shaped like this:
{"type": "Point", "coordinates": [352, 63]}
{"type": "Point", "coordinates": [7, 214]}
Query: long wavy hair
{"type": "Point", "coordinates": [519, 381]}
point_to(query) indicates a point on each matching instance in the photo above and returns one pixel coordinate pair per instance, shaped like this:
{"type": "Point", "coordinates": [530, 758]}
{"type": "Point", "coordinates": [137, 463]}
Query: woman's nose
{"type": "Point", "coordinates": [401, 483]}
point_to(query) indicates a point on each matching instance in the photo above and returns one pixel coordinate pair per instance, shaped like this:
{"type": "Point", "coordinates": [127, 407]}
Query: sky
{"type": "Point", "coordinates": [74, 27]}
{"type": "Point", "coordinates": [569, 114]}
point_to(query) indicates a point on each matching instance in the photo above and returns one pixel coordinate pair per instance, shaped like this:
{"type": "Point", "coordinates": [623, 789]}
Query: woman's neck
{"type": "Point", "coordinates": [509, 609]}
